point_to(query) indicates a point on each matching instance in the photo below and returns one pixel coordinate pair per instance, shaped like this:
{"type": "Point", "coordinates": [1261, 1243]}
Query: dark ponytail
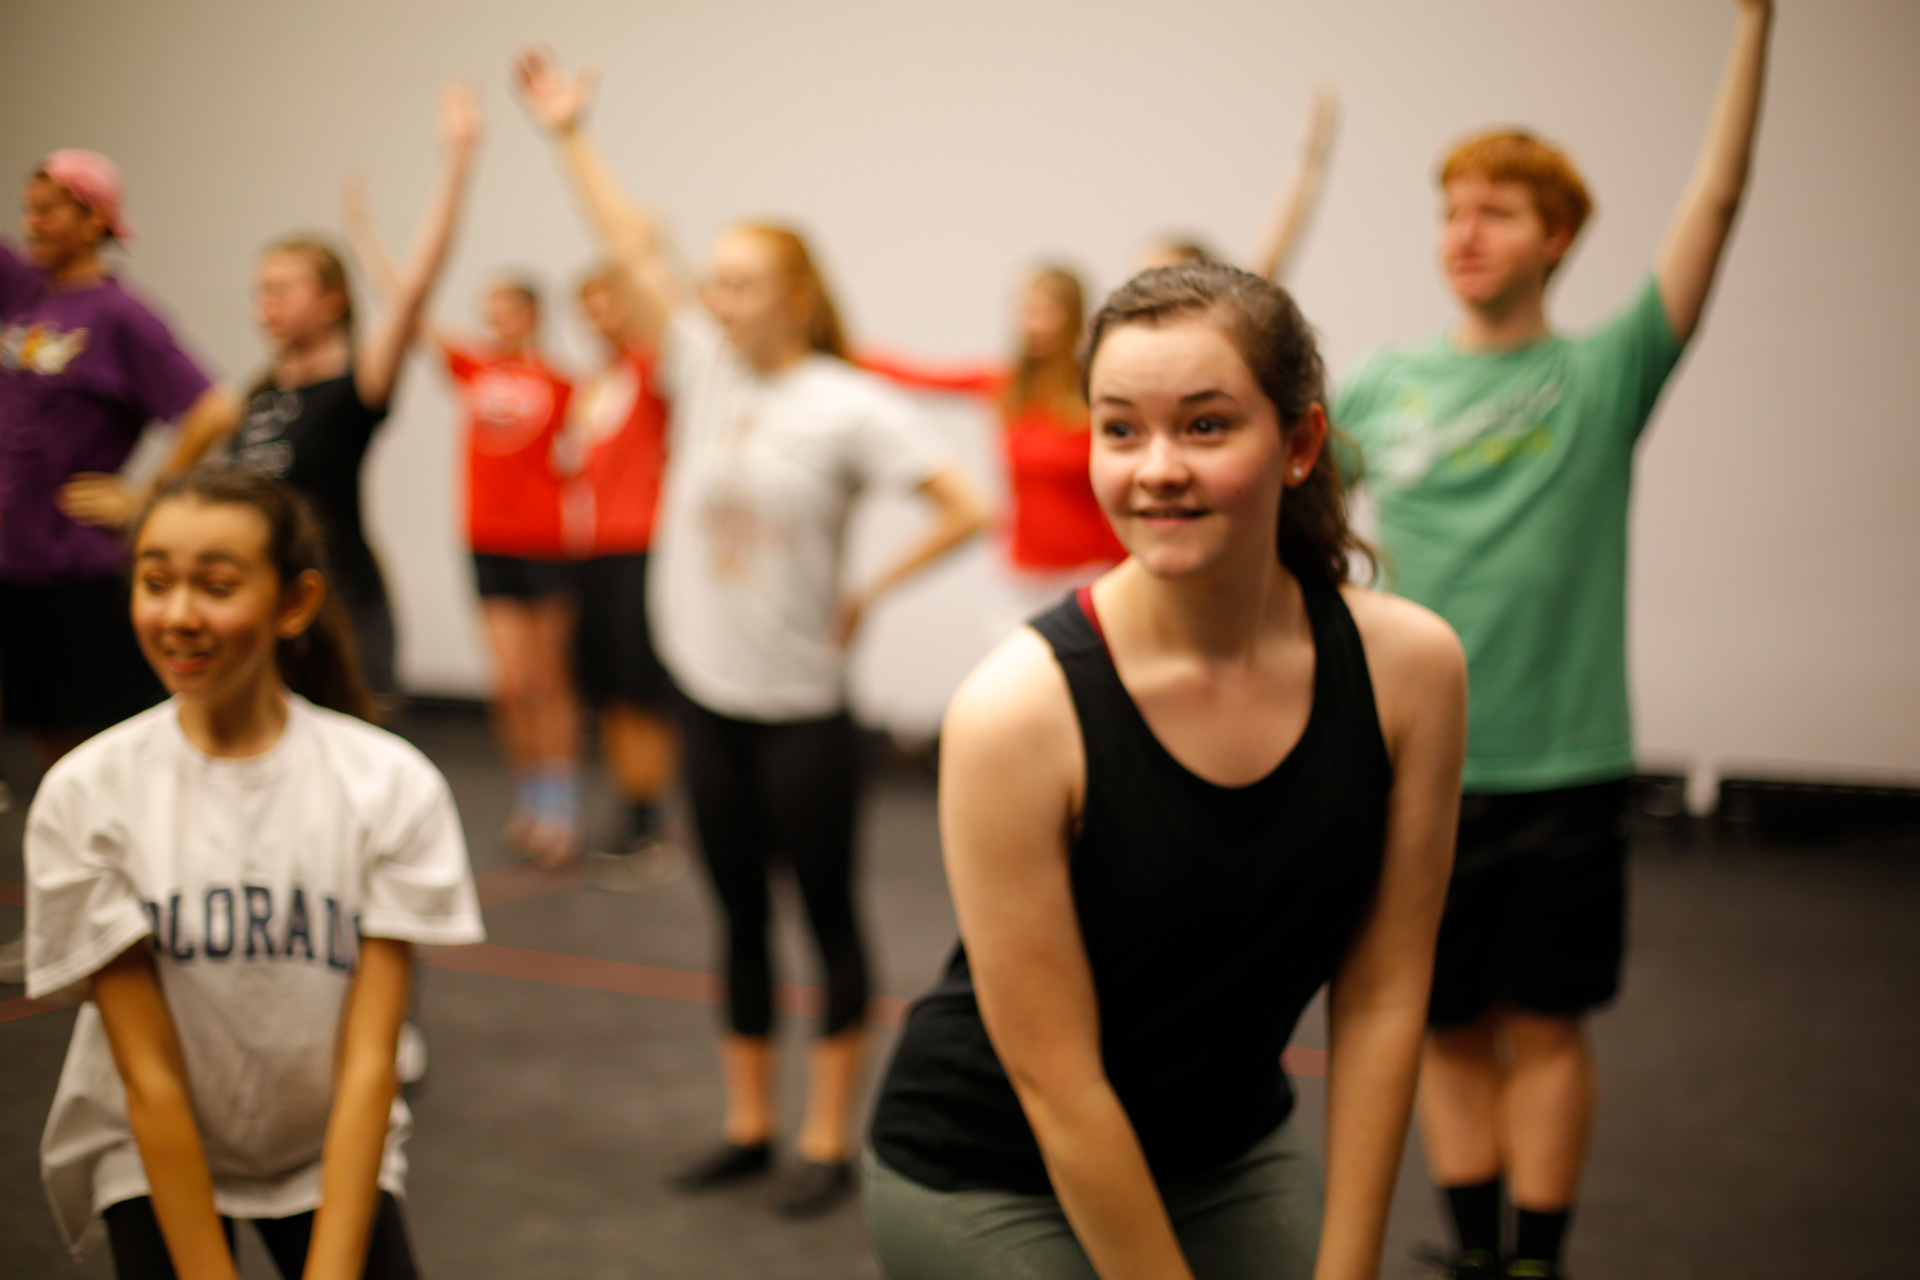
{"type": "Point", "coordinates": [1314, 538]}
{"type": "Point", "coordinates": [320, 663]}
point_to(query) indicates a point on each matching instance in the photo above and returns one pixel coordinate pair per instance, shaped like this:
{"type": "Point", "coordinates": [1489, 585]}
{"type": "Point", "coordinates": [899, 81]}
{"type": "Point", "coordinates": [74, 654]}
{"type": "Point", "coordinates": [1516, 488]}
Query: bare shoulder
{"type": "Point", "coordinates": [1418, 668]}
{"type": "Point", "coordinates": [1015, 704]}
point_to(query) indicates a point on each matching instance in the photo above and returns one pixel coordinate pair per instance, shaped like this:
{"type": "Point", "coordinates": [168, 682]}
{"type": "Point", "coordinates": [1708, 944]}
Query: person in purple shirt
{"type": "Point", "coordinates": [85, 368]}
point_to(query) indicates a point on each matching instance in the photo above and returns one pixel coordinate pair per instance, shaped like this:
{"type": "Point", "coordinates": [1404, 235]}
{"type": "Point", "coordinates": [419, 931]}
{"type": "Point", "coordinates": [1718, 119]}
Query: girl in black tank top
{"type": "Point", "coordinates": [1100, 1062]}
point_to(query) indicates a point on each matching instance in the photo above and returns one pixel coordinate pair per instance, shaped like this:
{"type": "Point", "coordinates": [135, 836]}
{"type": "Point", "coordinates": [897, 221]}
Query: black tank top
{"type": "Point", "coordinates": [1211, 916]}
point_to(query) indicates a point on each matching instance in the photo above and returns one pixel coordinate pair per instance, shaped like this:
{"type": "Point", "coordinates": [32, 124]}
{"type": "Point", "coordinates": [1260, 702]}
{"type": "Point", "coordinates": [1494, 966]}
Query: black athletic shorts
{"type": "Point", "coordinates": [1536, 913]}
{"type": "Point", "coordinates": [613, 656]}
{"type": "Point", "coordinates": [68, 659]}
{"type": "Point", "coordinates": [519, 577]}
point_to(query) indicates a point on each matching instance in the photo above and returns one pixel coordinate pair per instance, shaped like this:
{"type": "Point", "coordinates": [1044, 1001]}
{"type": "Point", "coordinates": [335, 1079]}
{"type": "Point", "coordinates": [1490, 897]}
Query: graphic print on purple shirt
{"type": "Point", "coordinates": [82, 373]}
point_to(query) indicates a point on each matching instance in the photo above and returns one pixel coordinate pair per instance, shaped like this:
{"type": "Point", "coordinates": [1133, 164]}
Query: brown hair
{"type": "Point", "coordinates": [319, 664]}
{"type": "Point", "coordinates": [1514, 155]}
{"type": "Point", "coordinates": [331, 273]}
{"type": "Point", "coordinates": [1314, 538]}
{"type": "Point", "coordinates": [823, 331]}
{"type": "Point", "coordinates": [1052, 380]}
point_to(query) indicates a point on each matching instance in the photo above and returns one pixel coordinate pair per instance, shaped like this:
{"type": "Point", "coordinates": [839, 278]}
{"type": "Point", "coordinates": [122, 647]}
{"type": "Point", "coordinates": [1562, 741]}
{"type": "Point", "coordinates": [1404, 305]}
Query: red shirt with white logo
{"type": "Point", "coordinates": [620, 427]}
{"type": "Point", "coordinates": [515, 407]}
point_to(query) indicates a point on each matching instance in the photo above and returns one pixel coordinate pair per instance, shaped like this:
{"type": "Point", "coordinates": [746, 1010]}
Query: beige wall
{"type": "Point", "coordinates": [934, 149]}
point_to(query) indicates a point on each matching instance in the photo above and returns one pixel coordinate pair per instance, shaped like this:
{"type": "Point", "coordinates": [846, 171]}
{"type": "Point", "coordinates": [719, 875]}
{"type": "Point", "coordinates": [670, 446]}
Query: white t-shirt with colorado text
{"type": "Point", "coordinates": [253, 881]}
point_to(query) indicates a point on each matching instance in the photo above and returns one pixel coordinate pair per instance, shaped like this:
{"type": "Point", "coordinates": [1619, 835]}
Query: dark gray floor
{"type": "Point", "coordinates": [1759, 1117]}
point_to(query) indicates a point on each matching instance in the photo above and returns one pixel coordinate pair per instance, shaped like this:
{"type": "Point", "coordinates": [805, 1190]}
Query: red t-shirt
{"type": "Point", "coordinates": [515, 408]}
{"type": "Point", "coordinates": [620, 423]}
{"type": "Point", "coordinates": [1056, 521]}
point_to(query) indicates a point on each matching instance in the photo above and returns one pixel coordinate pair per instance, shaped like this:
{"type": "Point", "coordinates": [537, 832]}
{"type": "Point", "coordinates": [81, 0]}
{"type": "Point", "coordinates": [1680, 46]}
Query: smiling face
{"type": "Point", "coordinates": [290, 303]}
{"type": "Point", "coordinates": [61, 233]}
{"type": "Point", "coordinates": [208, 604]}
{"type": "Point", "coordinates": [1495, 248]}
{"type": "Point", "coordinates": [1189, 459]}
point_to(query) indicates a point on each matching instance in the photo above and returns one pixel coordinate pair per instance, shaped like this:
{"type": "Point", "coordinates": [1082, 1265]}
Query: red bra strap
{"type": "Point", "coordinates": [1084, 598]}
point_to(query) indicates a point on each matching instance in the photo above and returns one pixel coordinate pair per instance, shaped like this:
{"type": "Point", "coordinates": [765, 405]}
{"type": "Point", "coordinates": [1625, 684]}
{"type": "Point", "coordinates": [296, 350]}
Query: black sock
{"type": "Point", "coordinates": [1475, 1210]}
{"type": "Point", "coordinates": [643, 820]}
{"type": "Point", "coordinates": [1538, 1235]}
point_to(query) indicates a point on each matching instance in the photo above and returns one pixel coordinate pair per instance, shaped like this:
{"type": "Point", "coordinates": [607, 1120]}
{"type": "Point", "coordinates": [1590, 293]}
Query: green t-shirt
{"type": "Point", "coordinates": [1503, 482]}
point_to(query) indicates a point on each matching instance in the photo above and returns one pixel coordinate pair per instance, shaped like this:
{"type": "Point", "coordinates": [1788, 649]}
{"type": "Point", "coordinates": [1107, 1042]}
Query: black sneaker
{"type": "Point", "coordinates": [1470, 1264]}
{"type": "Point", "coordinates": [723, 1166]}
{"type": "Point", "coordinates": [814, 1188]}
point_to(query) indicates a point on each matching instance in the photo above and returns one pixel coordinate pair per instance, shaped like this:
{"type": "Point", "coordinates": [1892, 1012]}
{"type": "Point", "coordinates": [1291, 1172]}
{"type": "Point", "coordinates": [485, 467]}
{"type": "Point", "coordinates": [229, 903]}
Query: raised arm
{"type": "Point", "coordinates": [1300, 191]}
{"type": "Point", "coordinates": [1378, 1000]}
{"type": "Point", "coordinates": [364, 1086]}
{"type": "Point", "coordinates": [1705, 218]}
{"type": "Point", "coordinates": [377, 363]}
{"type": "Point", "coordinates": [1010, 765]}
{"type": "Point", "coordinates": [370, 251]}
{"type": "Point", "coordinates": [557, 101]}
{"type": "Point", "coordinates": [146, 1052]}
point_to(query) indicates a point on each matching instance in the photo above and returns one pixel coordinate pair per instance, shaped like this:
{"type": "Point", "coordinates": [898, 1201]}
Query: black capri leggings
{"type": "Point", "coordinates": [140, 1251]}
{"type": "Point", "coordinates": [778, 792]}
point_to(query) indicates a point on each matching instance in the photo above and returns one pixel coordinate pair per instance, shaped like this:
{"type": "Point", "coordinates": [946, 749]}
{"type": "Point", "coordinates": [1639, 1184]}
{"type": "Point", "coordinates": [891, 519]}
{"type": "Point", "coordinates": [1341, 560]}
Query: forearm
{"type": "Point", "coordinates": [179, 1183]}
{"type": "Point", "coordinates": [959, 515]}
{"type": "Point", "coordinates": [350, 1168]}
{"type": "Point", "coordinates": [1373, 1064]}
{"type": "Point", "coordinates": [206, 424]}
{"type": "Point", "coordinates": [1100, 1174]}
{"type": "Point", "coordinates": [1298, 194]}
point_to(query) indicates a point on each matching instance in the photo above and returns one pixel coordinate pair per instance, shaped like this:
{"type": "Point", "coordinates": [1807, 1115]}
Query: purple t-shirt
{"type": "Point", "coordinates": [82, 373]}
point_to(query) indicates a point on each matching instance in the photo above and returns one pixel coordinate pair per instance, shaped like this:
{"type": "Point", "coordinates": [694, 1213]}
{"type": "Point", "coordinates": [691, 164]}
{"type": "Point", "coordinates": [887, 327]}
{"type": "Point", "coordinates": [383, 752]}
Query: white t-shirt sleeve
{"type": "Point", "coordinates": [82, 908]}
{"type": "Point", "coordinates": [419, 885]}
{"type": "Point", "coordinates": [893, 445]}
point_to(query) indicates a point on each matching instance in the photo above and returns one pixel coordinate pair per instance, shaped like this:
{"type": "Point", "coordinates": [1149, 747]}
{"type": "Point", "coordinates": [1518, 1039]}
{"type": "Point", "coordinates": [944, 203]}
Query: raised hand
{"type": "Point", "coordinates": [555, 98]}
{"type": "Point", "coordinates": [459, 117]}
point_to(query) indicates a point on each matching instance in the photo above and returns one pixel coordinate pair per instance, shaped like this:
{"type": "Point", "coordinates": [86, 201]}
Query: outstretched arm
{"type": "Point", "coordinates": [370, 251]}
{"type": "Point", "coordinates": [1301, 190]}
{"type": "Point", "coordinates": [364, 1085]}
{"type": "Point", "coordinates": [1705, 218]}
{"type": "Point", "coordinates": [557, 100]}
{"type": "Point", "coordinates": [377, 363]}
{"type": "Point", "coordinates": [146, 1051]}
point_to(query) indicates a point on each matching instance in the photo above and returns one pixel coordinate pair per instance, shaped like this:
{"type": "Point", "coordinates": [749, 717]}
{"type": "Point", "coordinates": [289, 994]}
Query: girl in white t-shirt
{"type": "Point", "coordinates": [773, 437]}
{"type": "Point", "coordinates": [231, 883]}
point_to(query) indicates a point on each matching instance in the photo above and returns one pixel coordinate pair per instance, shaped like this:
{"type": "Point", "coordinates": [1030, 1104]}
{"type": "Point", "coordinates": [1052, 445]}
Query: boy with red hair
{"type": "Point", "coordinates": [1501, 455]}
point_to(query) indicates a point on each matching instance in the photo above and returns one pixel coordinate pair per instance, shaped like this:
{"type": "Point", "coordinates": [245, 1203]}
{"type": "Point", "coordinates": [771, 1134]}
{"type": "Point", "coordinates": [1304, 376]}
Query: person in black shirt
{"type": "Point", "coordinates": [1172, 808]}
{"type": "Point", "coordinates": [311, 417]}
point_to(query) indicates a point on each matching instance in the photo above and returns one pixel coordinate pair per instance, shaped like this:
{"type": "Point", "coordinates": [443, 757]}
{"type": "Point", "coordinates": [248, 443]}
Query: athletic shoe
{"type": "Point", "coordinates": [1533, 1269]}
{"type": "Point", "coordinates": [410, 1057]}
{"type": "Point", "coordinates": [13, 961]}
{"type": "Point", "coordinates": [723, 1166]}
{"type": "Point", "coordinates": [641, 866]}
{"type": "Point", "coordinates": [1473, 1264]}
{"type": "Point", "coordinates": [814, 1189]}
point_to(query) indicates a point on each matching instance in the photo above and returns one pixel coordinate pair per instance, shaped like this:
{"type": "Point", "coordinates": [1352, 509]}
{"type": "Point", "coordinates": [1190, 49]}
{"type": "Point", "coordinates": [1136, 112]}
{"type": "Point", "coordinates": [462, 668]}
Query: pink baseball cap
{"type": "Point", "coordinates": [94, 181]}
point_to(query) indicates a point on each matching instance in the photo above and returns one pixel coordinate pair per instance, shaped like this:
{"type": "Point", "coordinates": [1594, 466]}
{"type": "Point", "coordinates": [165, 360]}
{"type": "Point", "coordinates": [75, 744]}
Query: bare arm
{"type": "Point", "coordinates": [364, 1086]}
{"type": "Point", "coordinates": [959, 514]}
{"type": "Point", "coordinates": [1011, 770]}
{"type": "Point", "coordinates": [1704, 221]}
{"type": "Point", "coordinates": [110, 501]}
{"type": "Point", "coordinates": [557, 101]}
{"type": "Point", "coordinates": [1378, 1001]}
{"type": "Point", "coordinates": [1300, 191]}
{"type": "Point", "coordinates": [377, 363]}
{"type": "Point", "coordinates": [370, 251]}
{"type": "Point", "coordinates": [160, 1111]}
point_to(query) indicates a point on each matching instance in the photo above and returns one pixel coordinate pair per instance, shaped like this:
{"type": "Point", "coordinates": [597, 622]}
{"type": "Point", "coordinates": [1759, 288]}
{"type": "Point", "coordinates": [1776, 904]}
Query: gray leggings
{"type": "Point", "coordinates": [1257, 1217]}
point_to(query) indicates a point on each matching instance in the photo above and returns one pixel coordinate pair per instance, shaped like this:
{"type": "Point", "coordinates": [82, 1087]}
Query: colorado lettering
{"type": "Point", "coordinates": [251, 922]}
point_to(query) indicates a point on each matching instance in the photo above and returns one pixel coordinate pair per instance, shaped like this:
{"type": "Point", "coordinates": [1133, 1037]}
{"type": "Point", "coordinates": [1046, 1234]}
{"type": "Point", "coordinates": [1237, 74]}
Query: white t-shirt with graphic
{"type": "Point", "coordinates": [253, 881]}
{"type": "Point", "coordinates": [763, 473]}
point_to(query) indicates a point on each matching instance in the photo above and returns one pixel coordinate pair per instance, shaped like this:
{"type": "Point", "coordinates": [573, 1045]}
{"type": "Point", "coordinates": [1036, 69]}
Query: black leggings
{"type": "Point", "coordinates": [140, 1251]}
{"type": "Point", "coordinates": [786, 792]}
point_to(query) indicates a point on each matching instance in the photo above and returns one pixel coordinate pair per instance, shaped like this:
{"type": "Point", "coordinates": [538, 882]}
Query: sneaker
{"type": "Point", "coordinates": [410, 1058]}
{"type": "Point", "coordinates": [1533, 1269]}
{"type": "Point", "coordinates": [13, 960]}
{"type": "Point", "coordinates": [1472, 1264]}
{"type": "Point", "coordinates": [642, 866]}
{"type": "Point", "coordinates": [725, 1165]}
{"type": "Point", "coordinates": [814, 1189]}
